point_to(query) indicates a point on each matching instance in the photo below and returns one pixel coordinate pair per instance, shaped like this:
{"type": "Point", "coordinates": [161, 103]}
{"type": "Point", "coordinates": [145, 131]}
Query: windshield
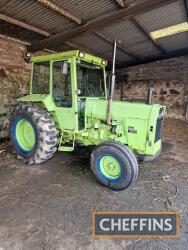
{"type": "Point", "coordinates": [90, 80]}
{"type": "Point", "coordinates": [41, 78]}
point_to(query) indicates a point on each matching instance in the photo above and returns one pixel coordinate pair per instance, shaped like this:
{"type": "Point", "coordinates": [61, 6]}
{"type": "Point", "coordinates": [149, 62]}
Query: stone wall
{"type": "Point", "coordinates": [169, 78]}
{"type": "Point", "coordinates": [14, 78]}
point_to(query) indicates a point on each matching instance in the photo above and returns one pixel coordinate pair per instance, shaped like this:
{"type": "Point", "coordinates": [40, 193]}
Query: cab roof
{"type": "Point", "coordinates": [69, 54]}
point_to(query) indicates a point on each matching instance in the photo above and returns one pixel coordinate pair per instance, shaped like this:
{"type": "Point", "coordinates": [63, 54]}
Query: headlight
{"type": "Point", "coordinates": [27, 57]}
{"type": "Point", "coordinates": [104, 62]}
{"type": "Point", "coordinates": [81, 54]}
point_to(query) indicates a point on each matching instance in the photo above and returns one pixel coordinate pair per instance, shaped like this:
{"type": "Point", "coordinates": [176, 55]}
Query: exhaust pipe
{"type": "Point", "coordinates": [149, 96]}
{"type": "Point", "coordinates": [112, 85]}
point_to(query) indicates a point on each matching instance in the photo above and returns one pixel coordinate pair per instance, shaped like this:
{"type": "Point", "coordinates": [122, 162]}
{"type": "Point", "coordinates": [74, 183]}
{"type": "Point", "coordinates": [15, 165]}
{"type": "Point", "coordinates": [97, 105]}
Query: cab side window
{"type": "Point", "coordinates": [41, 78]}
{"type": "Point", "coordinates": [62, 93]}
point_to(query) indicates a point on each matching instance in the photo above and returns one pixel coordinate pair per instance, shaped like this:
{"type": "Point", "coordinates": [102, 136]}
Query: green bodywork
{"type": "Point", "coordinates": [133, 124]}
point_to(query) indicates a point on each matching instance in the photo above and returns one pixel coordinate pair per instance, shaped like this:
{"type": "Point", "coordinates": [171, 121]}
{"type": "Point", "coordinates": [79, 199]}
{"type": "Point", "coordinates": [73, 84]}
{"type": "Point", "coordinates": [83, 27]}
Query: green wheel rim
{"type": "Point", "coordinates": [110, 167]}
{"type": "Point", "coordinates": [25, 135]}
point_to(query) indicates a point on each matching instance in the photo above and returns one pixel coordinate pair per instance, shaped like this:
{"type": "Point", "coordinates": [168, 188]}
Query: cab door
{"type": "Point", "coordinates": [63, 90]}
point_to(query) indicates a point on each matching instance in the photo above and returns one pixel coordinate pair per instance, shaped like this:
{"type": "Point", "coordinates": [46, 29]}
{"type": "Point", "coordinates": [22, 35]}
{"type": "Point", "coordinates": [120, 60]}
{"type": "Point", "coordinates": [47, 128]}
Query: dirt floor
{"type": "Point", "coordinates": [50, 206]}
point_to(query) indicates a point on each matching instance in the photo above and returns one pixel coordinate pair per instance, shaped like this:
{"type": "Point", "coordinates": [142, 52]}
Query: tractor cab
{"type": "Point", "coordinates": [70, 79]}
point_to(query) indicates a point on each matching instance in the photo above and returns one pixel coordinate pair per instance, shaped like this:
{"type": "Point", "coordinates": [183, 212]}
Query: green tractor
{"type": "Point", "coordinates": [69, 106]}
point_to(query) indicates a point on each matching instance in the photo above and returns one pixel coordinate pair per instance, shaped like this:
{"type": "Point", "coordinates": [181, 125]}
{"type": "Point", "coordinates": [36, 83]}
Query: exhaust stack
{"type": "Point", "coordinates": [149, 96]}
{"type": "Point", "coordinates": [112, 84]}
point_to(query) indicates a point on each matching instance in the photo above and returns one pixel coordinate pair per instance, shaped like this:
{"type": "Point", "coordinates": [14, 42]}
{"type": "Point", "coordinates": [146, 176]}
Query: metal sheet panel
{"type": "Point", "coordinates": [121, 57]}
{"type": "Point", "coordinates": [87, 9]}
{"type": "Point", "coordinates": [14, 31]}
{"type": "Point", "coordinates": [63, 47]}
{"type": "Point", "coordinates": [178, 41]}
{"type": "Point", "coordinates": [163, 17]}
{"type": "Point", "coordinates": [125, 31]}
{"type": "Point", "coordinates": [94, 43]}
{"type": "Point", "coordinates": [89, 40]}
{"type": "Point", "coordinates": [36, 14]}
{"type": "Point", "coordinates": [144, 49]}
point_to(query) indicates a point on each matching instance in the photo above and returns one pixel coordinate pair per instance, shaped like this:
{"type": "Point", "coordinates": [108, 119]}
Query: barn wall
{"type": "Point", "coordinates": [14, 78]}
{"type": "Point", "coordinates": [169, 78]}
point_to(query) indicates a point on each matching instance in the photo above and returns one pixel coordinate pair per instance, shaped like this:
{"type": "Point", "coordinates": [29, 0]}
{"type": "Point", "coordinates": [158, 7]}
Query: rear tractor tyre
{"type": "Point", "coordinates": [114, 165]}
{"type": "Point", "coordinates": [33, 134]}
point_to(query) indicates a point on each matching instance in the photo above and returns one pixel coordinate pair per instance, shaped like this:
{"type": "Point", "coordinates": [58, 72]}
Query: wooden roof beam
{"type": "Point", "coordinates": [41, 32]}
{"type": "Point", "coordinates": [24, 25]}
{"type": "Point", "coordinates": [105, 20]}
{"type": "Point", "coordinates": [59, 10]}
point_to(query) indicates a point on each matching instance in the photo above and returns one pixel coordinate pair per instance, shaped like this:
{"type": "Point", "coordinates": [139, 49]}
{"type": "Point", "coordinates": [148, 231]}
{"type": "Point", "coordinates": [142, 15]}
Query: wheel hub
{"type": "Point", "coordinates": [110, 167]}
{"type": "Point", "coordinates": [25, 134]}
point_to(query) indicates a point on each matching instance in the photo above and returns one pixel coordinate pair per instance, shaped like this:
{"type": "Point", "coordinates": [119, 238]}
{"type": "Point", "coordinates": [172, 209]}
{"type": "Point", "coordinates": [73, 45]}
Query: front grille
{"type": "Point", "coordinates": [159, 125]}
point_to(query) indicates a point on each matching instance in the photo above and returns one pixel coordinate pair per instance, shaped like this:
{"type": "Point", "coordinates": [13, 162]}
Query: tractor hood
{"type": "Point", "coordinates": [120, 110]}
{"type": "Point", "coordinates": [139, 125]}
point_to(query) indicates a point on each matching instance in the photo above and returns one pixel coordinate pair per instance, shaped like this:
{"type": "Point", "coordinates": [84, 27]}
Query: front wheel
{"type": "Point", "coordinates": [114, 165]}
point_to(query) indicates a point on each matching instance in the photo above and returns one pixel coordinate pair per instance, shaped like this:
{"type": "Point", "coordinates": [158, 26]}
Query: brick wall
{"type": "Point", "coordinates": [169, 78]}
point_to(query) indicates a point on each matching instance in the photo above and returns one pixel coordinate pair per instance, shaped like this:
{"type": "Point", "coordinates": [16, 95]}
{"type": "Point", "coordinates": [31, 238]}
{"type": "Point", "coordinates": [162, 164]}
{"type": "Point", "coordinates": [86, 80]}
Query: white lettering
{"type": "Point", "coordinates": [143, 224]}
{"type": "Point", "coordinates": [101, 224]}
{"type": "Point", "coordinates": [116, 224]}
{"type": "Point", "coordinates": [126, 224]}
{"type": "Point", "coordinates": [168, 222]}
{"type": "Point", "coordinates": [134, 223]}
{"type": "Point", "coordinates": [158, 224]}
{"type": "Point", "coordinates": [149, 225]}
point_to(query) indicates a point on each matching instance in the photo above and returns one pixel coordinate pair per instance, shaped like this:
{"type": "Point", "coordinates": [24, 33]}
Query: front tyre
{"type": "Point", "coordinates": [33, 134]}
{"type": "Point", "coordinates": [114, 166]}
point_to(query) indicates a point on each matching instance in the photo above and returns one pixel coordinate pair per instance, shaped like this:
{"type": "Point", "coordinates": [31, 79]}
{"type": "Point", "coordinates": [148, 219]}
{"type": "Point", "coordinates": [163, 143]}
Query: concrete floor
{"type": "Point", "coordinates": [50, 206]}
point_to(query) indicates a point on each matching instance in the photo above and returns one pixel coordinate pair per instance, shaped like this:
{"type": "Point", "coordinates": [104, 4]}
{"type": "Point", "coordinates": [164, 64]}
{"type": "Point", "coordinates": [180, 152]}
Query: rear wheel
{"type": "Point", "coordinates": [114, 165]}
{"type": "Point", "coordinates": [33, 134]}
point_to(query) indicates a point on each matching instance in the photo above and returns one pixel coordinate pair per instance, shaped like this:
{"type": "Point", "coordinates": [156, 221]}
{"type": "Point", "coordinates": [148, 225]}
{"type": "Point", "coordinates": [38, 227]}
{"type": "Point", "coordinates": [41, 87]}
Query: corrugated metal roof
{"type": "Point", "coordinates": [133, 39]}
{"type": "Point", "coordinates": [87, 9]}
{"type": "Point", "coordinates": [163, 17]}
{"type": "Point", "coordinates": [144, 49]}
{"type": "Point", "coordinates": [91, 41]}
{"type": "Point", "coordinates": [36, 14]}
{"type": "Point", "coordinates": [125, 31]}
{"type": "Point", "coordinates": [97, 44]}
{"type": "Point", "coordinates": [19, 33]}
{"type": "Point", "coordinates": [63, 47]}
{"type": "Point", "coordinates": [122, 57]}
{"type": "Point", "coordinates": [178, 41]}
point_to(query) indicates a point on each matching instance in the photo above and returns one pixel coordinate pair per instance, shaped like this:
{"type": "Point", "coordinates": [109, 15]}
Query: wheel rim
{"type": "Point", "coordinates": [25, 135]}
{"type": "Point", "coordinates": [110, 167]}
